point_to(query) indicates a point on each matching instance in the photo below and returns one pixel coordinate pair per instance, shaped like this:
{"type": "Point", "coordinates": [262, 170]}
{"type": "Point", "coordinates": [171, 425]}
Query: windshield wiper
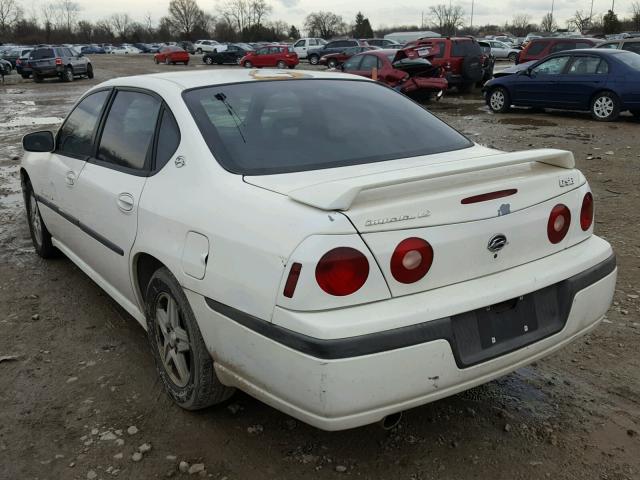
{"type": "Point", "coordinates": [223, 98]}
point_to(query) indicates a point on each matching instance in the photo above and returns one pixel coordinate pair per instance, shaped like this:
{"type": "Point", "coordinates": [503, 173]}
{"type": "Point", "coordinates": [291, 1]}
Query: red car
{"type": "Point", "coordinates": [538, 48]}
{"type": "Point", "coordinates": [279, 56]}
{"type": "Point", "coordinates": [171, 55]}
{"type": "Point", "coordinates": [333, 60]}
{"type": "Point", "coordinates": [461, 58]}
{"type": "Point", "coordinates": [417, 78]}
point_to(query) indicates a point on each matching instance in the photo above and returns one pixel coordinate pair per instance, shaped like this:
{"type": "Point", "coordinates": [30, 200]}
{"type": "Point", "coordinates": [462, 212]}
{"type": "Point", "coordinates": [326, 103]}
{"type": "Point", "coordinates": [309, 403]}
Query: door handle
{"type": "Point", "coordinates": [125, 202]}
{"type": "Point", "coordinates": [71, 178]}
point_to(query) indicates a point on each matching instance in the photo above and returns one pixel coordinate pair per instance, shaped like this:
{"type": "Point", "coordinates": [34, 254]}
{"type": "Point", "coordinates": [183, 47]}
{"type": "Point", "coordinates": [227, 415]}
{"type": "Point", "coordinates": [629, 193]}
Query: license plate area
{"type": "Point", "coordinates": [498, 329]}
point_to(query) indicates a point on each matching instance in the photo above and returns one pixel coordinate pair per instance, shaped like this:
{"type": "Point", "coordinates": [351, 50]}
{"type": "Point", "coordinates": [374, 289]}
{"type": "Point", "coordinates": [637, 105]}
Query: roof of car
{"type": "Point", "coordinates": [204, 78]}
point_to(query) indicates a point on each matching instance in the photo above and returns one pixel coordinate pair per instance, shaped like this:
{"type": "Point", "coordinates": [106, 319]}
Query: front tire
{"type": "Point", "coordinates": [167, 61]}
{"type": "Point", "coordinates": [512, 56]}
{"type": "Point", "coordinates": [332, 63]}
{"type": "Point", "coordinates": [37, 78]}
{"type": "Point", "coordinates": [208, 60]}
{"type": "Point", "coordinates": [156, 61]}
{"type": "Point", "coordinates": [89, 71]}
{"type": "Point", "coordinates": [281, 64]}
{"type": "Point", "coordinates": [247, 64]}
{"type": "Point", "coordinates": [182, 359]}
{"type": "Point", "coordinates": [499, 100]}
{"type": "Point", "coordinates": [314, 59]}
{"type": "Point", "coordinates": [67, 75]}
{"type": "Point", "coordinates": [605, 107]}
{"type": "Point", "coordinates": [40, 236]}
{"type": "Point", "coordinates": [636, 114]}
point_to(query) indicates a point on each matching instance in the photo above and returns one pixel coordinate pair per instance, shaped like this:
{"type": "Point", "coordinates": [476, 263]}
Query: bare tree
{"type": "Point", "coordinates": [635, 15]}
{"type": "Point", "coordinates": [580, 21]}
{"type": "Point", "coordinates": [184, 16]}
{"type": "Point", "coordinates": [10, 14]}
{"type": "Point", "coordinates": [548, 23]}
{"type": "Point", "coordinates": [324, 24]}
{"type": "Point", "coordinates": [120, 24]}
{"type": "Point", "coordinates": [244, 14]}
{"type": "Point", "coordinates": [520, 24]}
{"type": "Point", "coordinates": [68, 12]}
{"type": "Point", "coordinates": [448, 18]}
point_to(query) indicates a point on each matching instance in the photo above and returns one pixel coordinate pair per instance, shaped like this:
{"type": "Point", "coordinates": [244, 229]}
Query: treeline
{"type": "Point", "coordinates": [61, 21]}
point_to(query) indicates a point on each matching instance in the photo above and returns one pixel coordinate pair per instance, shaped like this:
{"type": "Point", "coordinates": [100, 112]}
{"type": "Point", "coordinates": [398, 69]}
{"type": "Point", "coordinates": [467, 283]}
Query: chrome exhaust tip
{"type": "Point", "coordinates": [391, 421]}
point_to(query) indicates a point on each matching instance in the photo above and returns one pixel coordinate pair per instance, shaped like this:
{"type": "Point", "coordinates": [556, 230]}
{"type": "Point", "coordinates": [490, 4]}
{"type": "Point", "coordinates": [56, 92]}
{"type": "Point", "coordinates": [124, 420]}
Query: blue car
{"type": "Point", "coordinates": [604, 82]}
{"type": "Point", "coordinates": [92, 50]}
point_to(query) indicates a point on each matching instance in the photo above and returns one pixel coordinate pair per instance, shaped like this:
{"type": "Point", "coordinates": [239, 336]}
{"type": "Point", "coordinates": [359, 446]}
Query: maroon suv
{"type": "Point", "coordinates": [460, 57]}
{"type": "Point", "coordinates": [541, 47]}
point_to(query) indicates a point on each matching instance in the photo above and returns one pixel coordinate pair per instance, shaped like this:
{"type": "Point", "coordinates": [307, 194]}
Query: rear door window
{"type": "Point", "coordinates": [536, 48]}
{"type": "Point", "coordinates": [562, 46]}
{"type": "Point", "coordinates": [353, 64]}
{"type": "Point", "coordinates": [588, 66]}
{"type": "Point", "coordinates": [129, 129]}
{"type": "Point", "coordinates": [369, 62]}
{"type": "Point", "coordinates": [75, 138]}
{"type": "Point", "coordinates": [632, 47]}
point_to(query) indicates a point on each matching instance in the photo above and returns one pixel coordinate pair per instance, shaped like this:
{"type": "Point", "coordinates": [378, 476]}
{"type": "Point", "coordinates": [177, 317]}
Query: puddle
{"type": "Point", "coordinates": [529, 122]}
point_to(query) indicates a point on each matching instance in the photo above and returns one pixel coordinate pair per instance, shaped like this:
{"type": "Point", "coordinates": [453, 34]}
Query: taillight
{"type": "Point", "coordinates": [447, 66]}
{"type": "Point", "coordinates": [58, 61]}
{"type": "Point", "coordinates": [292, 280]}
{"type": "Point", "coordinates": [558, 224]}
{"type": "Point", "coordinates": [411, 260]}
{"type": "Point", "coordinates": [342, 271]}
{"type": "Point", "coordinates": [18, 61]}
{"type": "Point", "coordinates": [586, 212]}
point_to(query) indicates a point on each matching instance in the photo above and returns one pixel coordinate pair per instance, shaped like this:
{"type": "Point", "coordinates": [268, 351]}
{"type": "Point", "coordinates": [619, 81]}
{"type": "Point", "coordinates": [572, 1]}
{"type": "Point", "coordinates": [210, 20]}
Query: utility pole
{"type": "Point", "coordinates": [591, 13]}
{"type": "Point", "coordinates": [613, 4]}
{"type": "Point", "coordinates": [552, 5]}
{"type": "Point", "coordinates": [472, 2]}
{"type": "Point", "coordinates": [422, 21]}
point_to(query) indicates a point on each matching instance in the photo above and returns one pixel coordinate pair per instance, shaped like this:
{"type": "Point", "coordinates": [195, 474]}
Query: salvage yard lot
{"type": "Point", "coordinates": [76, 371]}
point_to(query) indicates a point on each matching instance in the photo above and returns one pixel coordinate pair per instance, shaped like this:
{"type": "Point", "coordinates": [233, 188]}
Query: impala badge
{"type": "Point", "coordinates": [497, 243]}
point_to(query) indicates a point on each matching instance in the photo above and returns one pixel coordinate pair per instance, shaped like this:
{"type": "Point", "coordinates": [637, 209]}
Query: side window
{"type": "Point", "coordinates": [313, 42]}
{"type": "Point", "coordinates": [369, 62]}
{"type": "Point", "coordinates": [613, 46]}
{"type": "Point", "coordinates": [439, 48]}
{"type": "Point", "coordinates": [262, 51]}
{"type": "Point", "coordinates": [129, 130]}
{"type": "Point", "coordinates": [299, 43]}
{"type": "Point", "coordinates": [553, 66]}
{"type": "Point", "coordinates": [632, 47]}
{"type": "Point", "coordinates": [561, 46]}
{"type": "Point", "coordinates": [536, 48]}
{"type": "Point", "coordinates": [584, 45]}
{"type": "Point", "coordinates": [585, 66]}
{"type": "Point", "coordinates": [353, 64]}
{"type": "Point", "coordinates": [75, 138]}
{"type": "Point", "coordinates": [168, 139]}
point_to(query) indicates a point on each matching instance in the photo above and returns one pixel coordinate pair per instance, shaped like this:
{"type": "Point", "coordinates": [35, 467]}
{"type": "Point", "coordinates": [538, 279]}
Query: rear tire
{"type": "Point", "coordinates": [37, 78]}
{"type": "Point", "coordinates": [167, 61]}
{"type": "Point", "coordinates": [512, 56]}
{"type": "Point", "coordinates": [605, 107]}
{"type": "Point", "coordinates": [156, 61]}
{"type": "Point", "coordinates": [182, 360]}
{"type": "Point", "coordinates": [25, 76]}
{"type": "Point", "coordinates": [281, 64]}
{"type": "Point", "coordinates": [67, 75]}
{"type": "Point", "coordinates": [314, 59]}
{"type": "Point", "coordinates": [208, 60]}
{"type": "Point", "coordinates": [40, 236]}
{"type": "Point", "coordinates": [247, 64]}
{"type": "Point", "coordinates": [89, 71]}
{"type": "Point", "coordinates": [499, 100]}
{"type": "Point", "coordinates": [636, 114]}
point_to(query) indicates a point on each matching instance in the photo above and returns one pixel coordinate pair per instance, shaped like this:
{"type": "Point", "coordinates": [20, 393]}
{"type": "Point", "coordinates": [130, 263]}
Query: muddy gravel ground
{"type": "Point", "coordinates": [76, 372]}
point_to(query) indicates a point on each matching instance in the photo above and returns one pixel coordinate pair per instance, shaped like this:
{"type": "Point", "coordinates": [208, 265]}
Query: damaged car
{"type": "Point", "coordinates": [417, 78]}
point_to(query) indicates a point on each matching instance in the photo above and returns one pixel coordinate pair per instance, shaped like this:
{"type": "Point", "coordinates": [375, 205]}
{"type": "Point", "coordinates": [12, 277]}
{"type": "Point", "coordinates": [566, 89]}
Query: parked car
{"type": "Point", "coordinates": [124, 50]}
{"type": "Point", "coordinates": [187, 46]}
{"type": "Point", "coordinates": [539, 48]}
{"type": "Point", "coordinates": [336, 46]}
{"type": "Point", "coordinates": [461, 57]}
{"type": "Point", "coordinates": [143, 47]}
{"type": "Point", "coordinates": [205, 46]}
{"type": "Point", "coordinates": [349, 260]}
{"type": "Point", "coordinates": [333, 60]}
{"type": "Point", "coordinates": [5, 67]}
{"type": "Point", "coordinates": [302, 46]}
{"type": "Point", "coordinates": [602, 81]}
{"type": "Point", "coordinates": [630, 44]}
{"type": "Point", "coordinates": [23, 68]}
{"type": "Point", "coordinates": [12, 55]}
{"type": "Point", "coordinates": [417, 78]}
{"type": "Point", "coordinates": [171, 55]}
{"type": "Point", "coordinates": [92, 50]}
{"type": "Point", "coordinates": [279, 56]}
{"type": "Point", "coordinates": [61, 62]}
{"type": "Point", "coordinates": [502, 50]}
{"type": "Point", "coordinates": [381, 42]}
{"type": "Point", "coordinates": [155, 48]}
{"type": "Point", "coordinates": [488, 61]}
{"type": "Point", "coordinates": [233, 54]}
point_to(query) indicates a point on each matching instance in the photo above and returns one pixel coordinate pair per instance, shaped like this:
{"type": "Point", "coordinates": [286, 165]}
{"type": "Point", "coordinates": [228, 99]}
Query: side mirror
{"type": "Point", "coordinates": [38, 142]}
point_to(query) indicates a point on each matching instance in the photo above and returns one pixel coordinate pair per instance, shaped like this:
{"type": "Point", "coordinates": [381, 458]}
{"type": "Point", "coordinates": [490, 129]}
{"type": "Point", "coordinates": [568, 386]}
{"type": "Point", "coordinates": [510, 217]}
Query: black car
{"type": "Point", "coordinates": [62, 62]}
{"type": "Point", "coordinates": [22, 66]}
{"type": "Point", "coordinates": [15, 53]}
{"type": "Point", "coordinates": [381, 42]}
{"type": "Point", "coordinates": [337, 46]}
{"type": "Point", "coordinates": [143, 47]}
{"type": "Point", "coordinates": [5, 67]}
{"type": "Point", "coordinates": [232, 54]}
{"type": "Point", "coordinates": [489, 62]}
{"type": "Point", "coordinates": [187, 46]}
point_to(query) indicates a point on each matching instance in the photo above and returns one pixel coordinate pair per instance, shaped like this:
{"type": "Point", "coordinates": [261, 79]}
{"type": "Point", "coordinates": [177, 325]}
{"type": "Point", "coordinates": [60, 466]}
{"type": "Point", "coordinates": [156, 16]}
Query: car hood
{"type": "Point", "coordinates": [514, 69]}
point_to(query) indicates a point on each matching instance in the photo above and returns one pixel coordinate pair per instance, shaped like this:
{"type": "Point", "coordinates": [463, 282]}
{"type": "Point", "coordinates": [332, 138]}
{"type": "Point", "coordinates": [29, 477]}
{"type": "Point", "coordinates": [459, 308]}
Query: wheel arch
{"type": "Point", "coordinates": [144, 266]}
{"type": "Point", "coordinates": [598, 92]}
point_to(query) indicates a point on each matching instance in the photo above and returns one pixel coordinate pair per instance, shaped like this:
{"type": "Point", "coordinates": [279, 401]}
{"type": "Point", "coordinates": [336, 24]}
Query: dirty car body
{"type": "Point", "coordinates": [363, 269]}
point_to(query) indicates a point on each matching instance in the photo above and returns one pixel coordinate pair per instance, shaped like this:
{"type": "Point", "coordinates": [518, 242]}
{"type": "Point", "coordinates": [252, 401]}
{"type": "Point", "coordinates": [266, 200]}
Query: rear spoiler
{"type": "Point", "coordinates": [340, 194]}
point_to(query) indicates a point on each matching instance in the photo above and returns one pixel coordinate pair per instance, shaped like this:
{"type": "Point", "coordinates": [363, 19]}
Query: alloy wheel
{"type": "Point", "coordinates": [603, 107]}
{"type": "Point", "coordinates": [173, 340]}
{"type": "Point", "coordinates": [36, 224]}
{"type": "Point", "coordinates": [497, 100]}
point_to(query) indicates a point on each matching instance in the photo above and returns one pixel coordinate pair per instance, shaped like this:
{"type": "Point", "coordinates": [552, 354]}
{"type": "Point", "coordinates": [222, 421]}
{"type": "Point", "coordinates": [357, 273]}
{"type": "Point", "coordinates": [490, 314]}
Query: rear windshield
{"type": "Point", "coordinates": [465, 48]}
{"type": "Point", "coordinates": [42, 53]}
{"type": "Point", "coordinates": [268, 127]}
{"type": "Point", "coordinates": [536, 47]}
{"type": "Point", "coordinates": [629, 58]}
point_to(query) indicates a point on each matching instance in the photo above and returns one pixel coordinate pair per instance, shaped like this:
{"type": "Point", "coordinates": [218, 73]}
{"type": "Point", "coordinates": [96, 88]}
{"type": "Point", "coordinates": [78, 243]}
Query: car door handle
{"type": "Point", "coordinates": [125, 202]}
{"type": "Point", "coordinates": [71, 178]}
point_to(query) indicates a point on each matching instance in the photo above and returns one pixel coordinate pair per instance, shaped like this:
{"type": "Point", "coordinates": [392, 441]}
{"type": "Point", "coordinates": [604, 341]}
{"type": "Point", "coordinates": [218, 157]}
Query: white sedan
{"type": "Point", "coordinates": [125, 50]}
{"type": "Point", "coordinates": [341, 267]}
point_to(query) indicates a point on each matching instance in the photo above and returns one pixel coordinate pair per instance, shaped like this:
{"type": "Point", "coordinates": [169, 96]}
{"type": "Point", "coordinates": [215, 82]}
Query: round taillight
{"type": "Point", "coordinates": [558, 224]}
{"type": "Point", "coordinates": [411, 260]}
{"type": "Point", "coordinates": [342, 271]}
{"type": "Point", "coordinates": [586, 212]}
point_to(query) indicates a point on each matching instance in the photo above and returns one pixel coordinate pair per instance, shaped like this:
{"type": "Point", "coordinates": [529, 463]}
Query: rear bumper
{"type": "Point", "coordinates": [339, 382]}
{"type": "Point", "coordinates": [434, 84]}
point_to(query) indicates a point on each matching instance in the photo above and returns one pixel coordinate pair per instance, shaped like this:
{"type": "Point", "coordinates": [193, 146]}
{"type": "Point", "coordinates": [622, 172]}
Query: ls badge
{"type": "Point", "coordinates": [497, 243]}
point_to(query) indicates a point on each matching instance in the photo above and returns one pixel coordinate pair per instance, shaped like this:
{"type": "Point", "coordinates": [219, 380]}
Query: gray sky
{"type": "Point", "coordinates": [380, 12]}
